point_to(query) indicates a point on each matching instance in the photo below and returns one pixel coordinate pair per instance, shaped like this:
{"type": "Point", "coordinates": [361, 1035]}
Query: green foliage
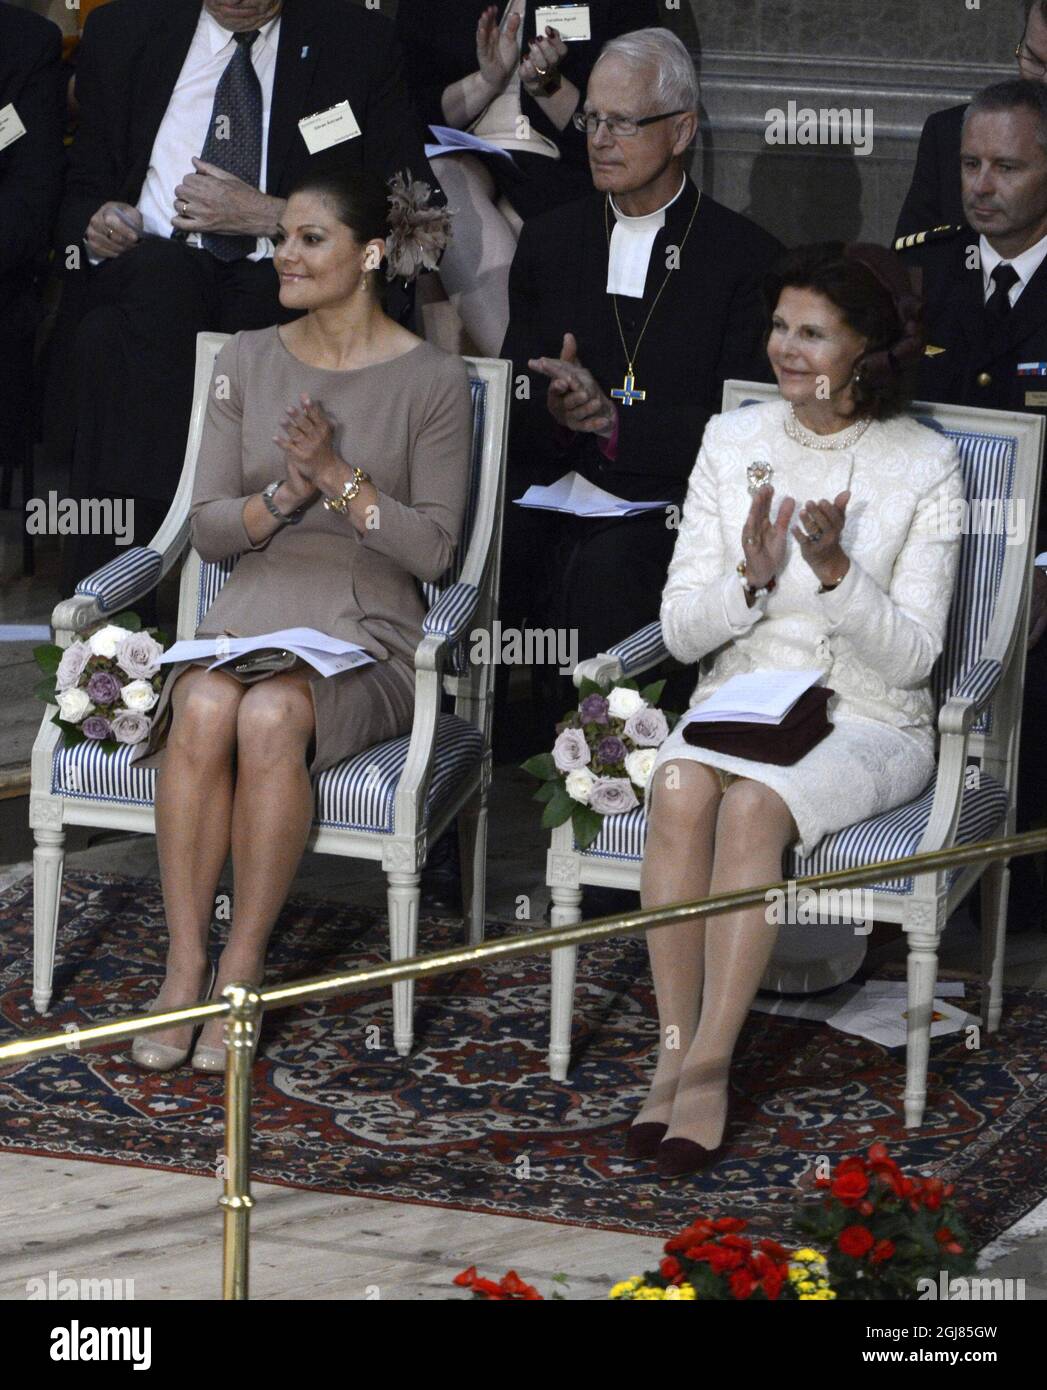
{"type": "Point", "coordinates": [47, 658]}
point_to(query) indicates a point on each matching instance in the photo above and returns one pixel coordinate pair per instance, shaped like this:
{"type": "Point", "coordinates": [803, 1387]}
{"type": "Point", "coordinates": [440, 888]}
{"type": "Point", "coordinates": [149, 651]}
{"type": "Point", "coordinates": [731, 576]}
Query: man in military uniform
{"type": "Point", "coordinates": [934, 196]}
{"type": "Point", "coordinates": [985, 287]}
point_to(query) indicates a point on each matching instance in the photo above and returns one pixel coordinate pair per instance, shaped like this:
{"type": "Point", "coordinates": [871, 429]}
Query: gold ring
{"type": "Point", "coordinates": [542, 72]}
{"type": "Point", "coordinates": [750, 540]}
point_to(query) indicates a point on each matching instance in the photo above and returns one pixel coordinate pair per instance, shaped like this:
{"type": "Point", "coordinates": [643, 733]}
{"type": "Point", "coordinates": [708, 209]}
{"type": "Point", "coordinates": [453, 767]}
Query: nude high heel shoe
{"type": "Point", "coordinates": [154, 1056]}
{"type": "Point", "coordinates": [212, 1059]}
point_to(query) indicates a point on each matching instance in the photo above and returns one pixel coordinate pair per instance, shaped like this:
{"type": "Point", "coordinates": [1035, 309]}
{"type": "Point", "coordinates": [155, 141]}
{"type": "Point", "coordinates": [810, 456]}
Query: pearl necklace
{"type": "Point", "coordinates": [842, 439]}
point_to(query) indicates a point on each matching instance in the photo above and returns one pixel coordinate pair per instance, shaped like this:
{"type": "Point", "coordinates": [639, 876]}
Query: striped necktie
{"type": "Point", "coordinates": [234, 138]}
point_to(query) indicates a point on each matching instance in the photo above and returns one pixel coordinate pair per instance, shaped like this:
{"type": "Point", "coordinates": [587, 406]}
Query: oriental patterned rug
{"type": "Point", "coordinates": [471, 1120]}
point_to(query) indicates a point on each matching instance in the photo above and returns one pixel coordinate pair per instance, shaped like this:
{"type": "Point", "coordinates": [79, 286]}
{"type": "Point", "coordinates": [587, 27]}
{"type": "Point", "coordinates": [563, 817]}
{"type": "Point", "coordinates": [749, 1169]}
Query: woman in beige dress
{"type": "Point", "coordinates": [341, 406]}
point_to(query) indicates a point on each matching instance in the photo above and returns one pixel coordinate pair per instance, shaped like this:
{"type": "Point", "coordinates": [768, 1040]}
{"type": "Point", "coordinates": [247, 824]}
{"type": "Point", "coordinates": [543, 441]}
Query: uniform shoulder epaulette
{"type": "Point", "coordinates": [918, 238]}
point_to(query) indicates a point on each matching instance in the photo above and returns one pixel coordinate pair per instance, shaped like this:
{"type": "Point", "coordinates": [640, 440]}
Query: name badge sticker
{"type": "Point", "coordinates": [571, 21]}
{"type": "Point", "coordinates": [1037, 399]}
{"type": "Point", "coordinates": [331, 127]}
{"type": "Point", "coordinates": [11, 127]}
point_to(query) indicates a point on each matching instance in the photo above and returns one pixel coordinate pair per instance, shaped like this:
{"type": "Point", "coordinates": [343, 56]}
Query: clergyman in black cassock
{"type": "Point", "coordinates": [604, 578]}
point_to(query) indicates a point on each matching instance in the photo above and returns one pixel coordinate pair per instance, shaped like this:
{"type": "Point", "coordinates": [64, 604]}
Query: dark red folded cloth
{"type": "Point", "coordinates": [806, 724]}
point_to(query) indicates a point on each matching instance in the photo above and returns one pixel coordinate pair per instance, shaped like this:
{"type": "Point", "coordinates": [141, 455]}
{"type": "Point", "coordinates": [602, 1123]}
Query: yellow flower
{"type": "Point", "coordinates": [626, 1287]}
{"type": "Point", "coordinates": [680, 1292]}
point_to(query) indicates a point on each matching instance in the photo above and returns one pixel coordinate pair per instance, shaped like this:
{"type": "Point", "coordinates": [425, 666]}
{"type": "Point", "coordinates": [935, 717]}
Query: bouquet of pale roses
{"type": "Point", "coordinates": [104, 683]}
{"type": "Point", "coordinates": [603, 756]}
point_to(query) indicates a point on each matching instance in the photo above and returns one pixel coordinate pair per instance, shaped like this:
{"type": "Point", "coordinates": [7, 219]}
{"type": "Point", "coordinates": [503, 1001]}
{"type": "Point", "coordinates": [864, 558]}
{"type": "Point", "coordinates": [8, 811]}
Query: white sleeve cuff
{"type": "Point", "coordinates": [836, 602]}
{"type": "Point", "coordinates": [740, 617]}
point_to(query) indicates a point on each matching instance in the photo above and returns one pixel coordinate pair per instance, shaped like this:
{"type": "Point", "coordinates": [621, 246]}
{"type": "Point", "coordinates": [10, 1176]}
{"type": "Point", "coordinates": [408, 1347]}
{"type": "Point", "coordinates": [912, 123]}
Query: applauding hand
{"type": "Point", "coordinates": [820, 538]}
{"type": "Point", "coordinates": [575, 399]}
{"type": "Point", "coordinates": [542, 59]}
{"type": "Point", "coordinates": [763, 540]}
{"type": "Point", "coordinates": [308, 444]}
{"type": "Point", "coordinates": [496, 49]}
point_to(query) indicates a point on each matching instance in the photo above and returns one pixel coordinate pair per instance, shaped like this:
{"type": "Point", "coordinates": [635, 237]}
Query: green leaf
{"type": "Point", "coordinates": [47, 657]}
{"type": "Point", "coordinates": [71, 733]}
{"type": "Point", "coordinates": [627, 683]}
{"type": "Point", "coordinates": [130, 620]}
{"type": "Point", "coordinates": [589, 687]}
{"type": "Point", "coordinates": [45, 689]}
{"type": "Point", "coordinates": [558, 810]}
{"type": "Point", "coordinates": [653, 693]}
{"type": "Point", "coordinates": [541, 766]}
{"type": "Point", "coordinates": [587, 825]}
{"type": "Point", "coordinates": [545, 792]}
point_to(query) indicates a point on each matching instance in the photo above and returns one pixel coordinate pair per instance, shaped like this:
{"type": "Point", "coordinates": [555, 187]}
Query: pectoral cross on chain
{"type": "Point", "coordinates": [628, 394]}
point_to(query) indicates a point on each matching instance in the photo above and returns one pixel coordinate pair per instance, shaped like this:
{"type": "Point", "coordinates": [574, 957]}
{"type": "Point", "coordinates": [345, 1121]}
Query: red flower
{"type": "Point", "coordinates": [953, 1248]}
{"type": "Point", "coordinates": [865, 1208]}
{"type": "Point", "coordinates": [850, 1165]}
{"type": "Point", "coordinates": [671, 1269]}
{"type": "Point", "coordinates": [736, 1243]}
{"type": "Point", "coordinates": [943, 1235]}
{"type": "Point", "coordinates": [850, 1186]}
{"type": "Point", "coordinates": [882, 1250]}
{"type": "Point", "coordinates": [741, 1283]}
{"type": "Point", "coordinates": [772, 1282]}
{"type": "Point", "coordinates": [512, 1286]}
{"type": "Point", "coordinates": [697, 1231]}
{"type": "Point", "coordinates": [728, 1224]}
{"type": "Point", "coordinates": [855, 1241]}
{"type": "Point", "coordinates": [878, 1153]}
{"type": "Point", "coordinates": [776, 1251]}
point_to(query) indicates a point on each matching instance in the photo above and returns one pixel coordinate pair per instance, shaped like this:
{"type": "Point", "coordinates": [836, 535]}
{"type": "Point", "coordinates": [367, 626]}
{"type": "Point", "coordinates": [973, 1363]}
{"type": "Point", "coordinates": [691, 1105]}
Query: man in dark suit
{"type": "Point", "coordinates": [630, 307]}
{"type": "Point", "coordinates": [32, 161]}
{"type": "Point", "coordinates": [985, 287]}
{"type": "Point", "coordinates": [934, 198]}
{"type": "Point", "coordinates": [192, 130]}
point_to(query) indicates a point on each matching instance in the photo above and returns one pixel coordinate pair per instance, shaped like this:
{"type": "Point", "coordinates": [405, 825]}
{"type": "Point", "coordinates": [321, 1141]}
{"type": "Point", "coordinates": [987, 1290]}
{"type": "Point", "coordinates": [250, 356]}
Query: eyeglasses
{"type": "Point", "coordinates": [1029, 59]}
{"type": "Point", "coordinates": [589, 123]}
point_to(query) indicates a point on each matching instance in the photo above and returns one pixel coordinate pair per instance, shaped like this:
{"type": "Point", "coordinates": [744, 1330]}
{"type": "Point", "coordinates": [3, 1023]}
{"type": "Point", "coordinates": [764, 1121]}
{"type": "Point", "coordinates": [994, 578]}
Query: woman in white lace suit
{"type": "Point", "coordinates": [815, 534]}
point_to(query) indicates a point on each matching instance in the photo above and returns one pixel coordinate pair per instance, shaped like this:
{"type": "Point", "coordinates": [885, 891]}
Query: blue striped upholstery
{"type": "Point", "coordinates": [898, 833]}
{"type": "Point", "coordinates": [123, 580]}
{"type": "Point", "coordinates": [641, 650]}
{"type": "Point", "coordinates": [357, 794]}
{"type": "Point", "coordinates": [452, 613]}
{"type": "Point", "coordinates": [212, 577]}
{"type": "Point", "coordinates": [980, 681]}
{"type": "Point", "coordinates": [988, 463]}
{"type": "Point", "coordinates": [889, 836]}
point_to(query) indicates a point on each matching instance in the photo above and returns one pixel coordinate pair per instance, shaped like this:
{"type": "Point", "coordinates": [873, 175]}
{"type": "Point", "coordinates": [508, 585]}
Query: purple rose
{"type": "Point", "coordinates": [571, 750]}
{"type": "Point", "coordinates": [647, 728]}
{"type": "Point", "coordinates": [71, 666]}
{"type": "Point", "coordinates": [612, 795]}
{"type": "Point", "coordinates": [129, 727]}
{"type": "Point", "coordinates": [593, 709]}
{"type": "Point", "coordinates": [94, 726]}
{"type": "Point", "coordinates": [104, 689]}
{"type": "Point", "coordinates": [610, 750]}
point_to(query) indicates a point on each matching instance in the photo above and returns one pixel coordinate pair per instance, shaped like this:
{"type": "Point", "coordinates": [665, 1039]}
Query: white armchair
{"type": "Point", "coordinates": [978, 686]}
{"type": "Point", "coordinates": [388, 803]}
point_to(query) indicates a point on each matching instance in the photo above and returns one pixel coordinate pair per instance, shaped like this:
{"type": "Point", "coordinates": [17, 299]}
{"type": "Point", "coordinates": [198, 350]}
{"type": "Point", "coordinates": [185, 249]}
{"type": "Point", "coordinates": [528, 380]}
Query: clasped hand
{"type": "Point", "coordinates": [213, 200]}
{"type": "Point", "coordinates": [307, 440]}
{"type": "Point", "coordinates": [763, 540]}
{"type": "Point", "coordinates": [574, 398]}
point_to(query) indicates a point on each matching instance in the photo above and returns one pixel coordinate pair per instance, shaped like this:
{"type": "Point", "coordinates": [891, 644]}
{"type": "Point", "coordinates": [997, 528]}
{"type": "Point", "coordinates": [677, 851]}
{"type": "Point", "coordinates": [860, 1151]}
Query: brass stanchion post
{"type": "Point", "coordinates": [241, 1029]}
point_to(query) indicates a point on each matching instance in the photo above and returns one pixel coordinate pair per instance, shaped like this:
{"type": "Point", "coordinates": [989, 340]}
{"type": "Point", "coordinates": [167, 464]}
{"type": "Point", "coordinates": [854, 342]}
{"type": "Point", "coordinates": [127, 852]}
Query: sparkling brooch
{"type": "Point", "coordinates": [759, 475]}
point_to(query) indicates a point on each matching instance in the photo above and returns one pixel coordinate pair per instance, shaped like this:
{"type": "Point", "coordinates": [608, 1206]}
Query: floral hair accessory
{"type": "Point", "coordinates": [418, 232]}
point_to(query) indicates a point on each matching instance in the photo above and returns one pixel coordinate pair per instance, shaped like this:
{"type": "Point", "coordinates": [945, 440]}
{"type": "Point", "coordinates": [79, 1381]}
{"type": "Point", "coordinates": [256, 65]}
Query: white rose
{"type": "Point", "coordinates": [74, 704]}
{"type": "Point", "coordinates": [138, 696]}
{"type": "Point", "coordinates": [579, 784]}
{"type": "Point", "coordinates": [640, 765]}
{"type": "Point", "coordinates": [622, 702]}
{"type": "Point", "coordinates": [105, 641]}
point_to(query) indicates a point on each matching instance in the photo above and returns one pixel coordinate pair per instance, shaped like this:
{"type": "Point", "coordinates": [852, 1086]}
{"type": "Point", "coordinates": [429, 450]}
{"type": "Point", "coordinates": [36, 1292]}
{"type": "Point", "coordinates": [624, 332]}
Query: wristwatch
{"type": "Point", "coordinates": [340, 502]}
{"type": "Point", "coordinates": [269, 493]}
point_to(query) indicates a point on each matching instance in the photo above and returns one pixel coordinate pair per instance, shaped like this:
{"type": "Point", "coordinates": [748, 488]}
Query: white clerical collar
{"type": "Point", "coordinates": [632, 242]}
{"type": "Point", "coordinates": [1026, 265]}
{"type": "Point", "coordinates": [217, 37]}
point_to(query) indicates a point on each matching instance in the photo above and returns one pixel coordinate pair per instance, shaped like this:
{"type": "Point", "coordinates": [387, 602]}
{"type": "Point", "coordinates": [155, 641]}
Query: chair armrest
{"type": "Point", "coordinates": [635, 654]}
{"type": "Point", "coordinates": [452, 613]}
{"type": "Point", "coordinates": [108, 590]}
{"type": "Point", "coordinates": [961, 709]}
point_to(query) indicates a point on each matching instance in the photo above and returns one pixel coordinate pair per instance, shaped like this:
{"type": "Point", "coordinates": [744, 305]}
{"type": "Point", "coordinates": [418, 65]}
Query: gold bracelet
{"type": "Point", "coordinates": [340, 502]}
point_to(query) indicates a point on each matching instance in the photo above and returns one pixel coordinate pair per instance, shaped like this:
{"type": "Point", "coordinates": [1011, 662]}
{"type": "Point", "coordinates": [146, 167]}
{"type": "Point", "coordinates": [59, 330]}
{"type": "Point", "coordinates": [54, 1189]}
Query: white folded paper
{"type": "Point", "coordinates": [328, 655]}
{"type": "Point", "coordinates": [451, 141]}
{"type": "Point", "coordinates": [881, 1015]}
{"type": "Point", "coordinates": [576, 496]}
{"type": "Point", "coordinates": [758, 697]}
